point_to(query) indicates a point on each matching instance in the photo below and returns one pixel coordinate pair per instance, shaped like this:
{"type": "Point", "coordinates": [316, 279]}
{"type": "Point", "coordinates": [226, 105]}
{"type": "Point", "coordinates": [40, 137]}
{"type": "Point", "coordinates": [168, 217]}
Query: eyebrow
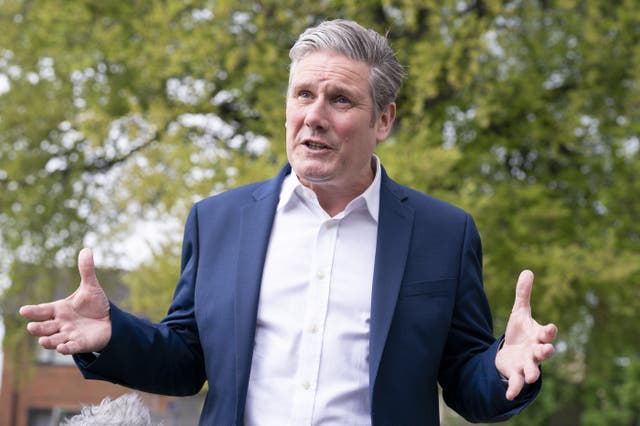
{"type": "Point", "coordinates": [332, 88]}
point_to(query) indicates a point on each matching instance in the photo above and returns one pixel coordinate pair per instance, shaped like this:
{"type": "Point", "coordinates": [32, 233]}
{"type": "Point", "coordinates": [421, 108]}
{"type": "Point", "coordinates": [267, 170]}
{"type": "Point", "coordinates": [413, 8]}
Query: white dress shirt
{"type": "Point", "coordinates": [311, 357]}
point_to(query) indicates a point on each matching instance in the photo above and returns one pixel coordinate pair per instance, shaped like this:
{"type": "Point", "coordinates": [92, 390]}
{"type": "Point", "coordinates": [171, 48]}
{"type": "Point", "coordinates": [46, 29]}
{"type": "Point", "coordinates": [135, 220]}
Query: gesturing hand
{"type": "Point", "coordinates": [526, 343]}
{"type": "Point", "coordinates": [78, 324]}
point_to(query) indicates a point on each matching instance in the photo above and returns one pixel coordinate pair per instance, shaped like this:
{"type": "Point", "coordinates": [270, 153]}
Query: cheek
{"type": "Point", "coordinates": [289, 137]}
{"type": "Point", "coordinates": [290, 128]}
{"type": "Point", "coordinates": [293, 119]}
{"type": "Point", "coordinates": [291, 134]}
{"type": "Point", "coordinates": [358, 137]}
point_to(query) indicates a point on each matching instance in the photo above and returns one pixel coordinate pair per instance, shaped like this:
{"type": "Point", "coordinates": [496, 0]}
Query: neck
{"type": "Point", "coordinates": [334, 197]}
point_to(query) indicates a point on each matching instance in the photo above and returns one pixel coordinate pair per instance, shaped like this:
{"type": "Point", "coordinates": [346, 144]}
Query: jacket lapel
{"type": "Point", "coordinates": [255, 230]}
{"type": "Point", "coordinates": [394, 236]}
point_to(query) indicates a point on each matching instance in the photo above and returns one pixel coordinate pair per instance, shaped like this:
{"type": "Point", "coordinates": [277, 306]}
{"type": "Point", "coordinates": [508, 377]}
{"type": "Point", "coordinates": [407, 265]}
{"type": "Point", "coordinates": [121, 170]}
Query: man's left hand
{"type": "Point", "coordinates": [526, 343]}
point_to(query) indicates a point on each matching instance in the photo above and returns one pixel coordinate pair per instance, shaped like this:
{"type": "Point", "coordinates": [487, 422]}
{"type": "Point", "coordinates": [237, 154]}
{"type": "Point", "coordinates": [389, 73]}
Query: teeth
{"type": "Point", "coordinates": [314, 145]}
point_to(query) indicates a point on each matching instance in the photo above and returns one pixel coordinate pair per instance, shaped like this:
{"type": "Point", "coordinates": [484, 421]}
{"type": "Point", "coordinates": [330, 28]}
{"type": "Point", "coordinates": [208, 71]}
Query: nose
{"type": "Point", "coordinates": [316, 115]}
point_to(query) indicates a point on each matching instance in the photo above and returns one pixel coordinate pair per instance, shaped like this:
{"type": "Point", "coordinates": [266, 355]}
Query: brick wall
{"type": "Point", "coordinates": [63, 387]}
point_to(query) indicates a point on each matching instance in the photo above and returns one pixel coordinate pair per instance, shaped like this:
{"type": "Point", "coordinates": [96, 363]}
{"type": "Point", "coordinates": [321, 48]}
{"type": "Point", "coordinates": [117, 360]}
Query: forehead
{"type": "Point", "coordinates": [326, 66]}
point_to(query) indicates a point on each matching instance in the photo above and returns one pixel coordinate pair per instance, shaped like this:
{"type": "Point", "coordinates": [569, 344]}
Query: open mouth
{"type": "Point", "coordinates": [315, 146]}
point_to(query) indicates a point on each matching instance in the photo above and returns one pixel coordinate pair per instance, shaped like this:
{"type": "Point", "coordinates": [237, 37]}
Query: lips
{"type": "Point", "coordinates": [316, 145]}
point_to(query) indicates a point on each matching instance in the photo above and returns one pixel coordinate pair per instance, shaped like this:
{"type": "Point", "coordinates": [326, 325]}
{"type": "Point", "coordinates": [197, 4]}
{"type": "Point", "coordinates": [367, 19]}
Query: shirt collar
{"type": "Point", "coordinates": [370, 198]}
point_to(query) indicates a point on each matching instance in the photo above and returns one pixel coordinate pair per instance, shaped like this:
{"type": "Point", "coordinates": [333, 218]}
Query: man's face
{"type": "Point", "coordinates": [331, 131]}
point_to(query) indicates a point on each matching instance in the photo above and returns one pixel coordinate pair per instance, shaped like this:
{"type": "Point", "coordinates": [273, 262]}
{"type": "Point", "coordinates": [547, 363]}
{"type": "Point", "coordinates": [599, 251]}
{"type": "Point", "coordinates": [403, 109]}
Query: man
{"type": "Point", "coordinates": [327, 295]}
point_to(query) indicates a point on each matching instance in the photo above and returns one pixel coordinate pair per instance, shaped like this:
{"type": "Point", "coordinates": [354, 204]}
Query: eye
{"type": "Point", "coordinates": [304, 94]}
{"type": "Point", "coordinates": [340, 99]}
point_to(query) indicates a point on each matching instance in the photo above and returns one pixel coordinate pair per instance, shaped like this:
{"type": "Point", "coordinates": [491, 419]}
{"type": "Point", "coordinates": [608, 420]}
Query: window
{"type": "Point", "coordinates": [48, 416]}
{"type": "Point", "coordinates": [51, 357]}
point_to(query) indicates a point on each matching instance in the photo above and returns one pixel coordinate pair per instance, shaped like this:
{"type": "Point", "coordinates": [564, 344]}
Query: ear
{"type": "Point", "coordinates": [384, 123]}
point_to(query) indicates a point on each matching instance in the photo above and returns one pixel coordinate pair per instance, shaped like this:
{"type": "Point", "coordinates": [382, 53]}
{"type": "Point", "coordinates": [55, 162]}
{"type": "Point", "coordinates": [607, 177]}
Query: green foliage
{"type": "Point", "coordinates": [150, 292]}
{"type": "Point", "coordinates": [525, 113]}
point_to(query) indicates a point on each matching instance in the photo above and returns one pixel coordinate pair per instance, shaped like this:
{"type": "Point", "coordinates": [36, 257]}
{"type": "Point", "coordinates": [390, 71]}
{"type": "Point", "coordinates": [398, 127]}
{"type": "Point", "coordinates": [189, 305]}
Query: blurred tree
{"type": "Point", "coordinates": [525, 113]}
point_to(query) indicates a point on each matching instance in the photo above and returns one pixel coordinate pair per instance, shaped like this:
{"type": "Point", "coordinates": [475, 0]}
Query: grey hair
{"type": "Point", "coordinates": [352, 40]}
{"type": "Point", "coordinates": [128, 410]}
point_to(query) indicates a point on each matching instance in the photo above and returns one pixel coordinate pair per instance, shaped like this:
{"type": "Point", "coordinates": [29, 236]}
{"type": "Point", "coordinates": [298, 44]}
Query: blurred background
{"type": "Point", "coordinates": [116, 116]}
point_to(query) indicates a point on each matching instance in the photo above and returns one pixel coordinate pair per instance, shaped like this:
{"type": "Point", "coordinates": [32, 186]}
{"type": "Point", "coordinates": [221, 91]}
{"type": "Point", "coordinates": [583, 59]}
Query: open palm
{"type": "Point", "coordinates": [526, 343]}
{"type": "Point", "coordinates": [78, 324]}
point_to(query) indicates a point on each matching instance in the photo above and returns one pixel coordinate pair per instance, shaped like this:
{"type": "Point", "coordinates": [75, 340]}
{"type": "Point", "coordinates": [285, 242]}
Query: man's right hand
{"type": "Point", "coordinates": [78, 324]}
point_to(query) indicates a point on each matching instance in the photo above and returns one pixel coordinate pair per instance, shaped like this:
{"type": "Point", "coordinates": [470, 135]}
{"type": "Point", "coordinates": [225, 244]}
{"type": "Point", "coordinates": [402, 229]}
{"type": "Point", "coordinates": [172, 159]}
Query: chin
{"type": "Point", "coordinates": [312, 173]}
{"type": "Point", "coordinates": [313, 178]}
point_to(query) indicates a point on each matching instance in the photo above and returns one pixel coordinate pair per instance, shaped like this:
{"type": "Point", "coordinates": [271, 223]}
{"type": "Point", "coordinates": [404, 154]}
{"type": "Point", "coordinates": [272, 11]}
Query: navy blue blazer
{"type": "Point", "coordinates": [430, 319]}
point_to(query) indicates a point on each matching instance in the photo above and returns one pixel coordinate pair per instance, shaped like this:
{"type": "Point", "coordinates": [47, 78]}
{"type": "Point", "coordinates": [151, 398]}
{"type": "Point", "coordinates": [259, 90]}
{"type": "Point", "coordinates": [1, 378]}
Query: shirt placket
{"type": "Point", "coordinates": [315, 322]}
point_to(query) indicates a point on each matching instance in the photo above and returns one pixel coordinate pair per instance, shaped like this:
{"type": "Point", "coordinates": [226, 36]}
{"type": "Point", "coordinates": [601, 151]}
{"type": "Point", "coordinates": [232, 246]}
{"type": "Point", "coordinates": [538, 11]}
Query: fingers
{"type": "Point", "coordinates": [40, 312]}
{"type": "Point", "coordinates": [69, 348]}
{"type": "Point", "coordinates": [523, 291]}
{"type": "Point", "coordinates": [530, 374]}
{"type": "Point", "coordinates": [516, 383]}
{"type": "Point", "coordinates": [61, 343]}
{"type": "Point", "coordinates": [79, 323]}
{"type": "Point", "coordinates": [52, 336]}
{"type": "Point", "coordinates": [45, 311]}
{"type": "Point", "coordinates": [45, 328]}
{"type": "Point", "coordinates": [52, 342]}
{"type": "Point", "coordinates": [547, 333]}
{"type": "Point", "coordinates": [544, 352]}
{"type": "Point", "coordinates": [87, 269]}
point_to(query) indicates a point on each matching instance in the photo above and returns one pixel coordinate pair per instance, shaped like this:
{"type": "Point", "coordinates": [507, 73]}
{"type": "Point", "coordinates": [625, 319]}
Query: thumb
{"type": "Point", "coordinates": [523, 291]}
{"type": "Point", "coordinates": [86, 268]}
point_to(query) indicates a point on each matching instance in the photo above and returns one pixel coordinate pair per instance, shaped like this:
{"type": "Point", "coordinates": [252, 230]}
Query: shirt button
{"type": "Point", "coordinates": [320, 275]}
{"type": "Point", "coordinates": [306, 385]}
{"type": "Point", "coordinates": [313, 329]}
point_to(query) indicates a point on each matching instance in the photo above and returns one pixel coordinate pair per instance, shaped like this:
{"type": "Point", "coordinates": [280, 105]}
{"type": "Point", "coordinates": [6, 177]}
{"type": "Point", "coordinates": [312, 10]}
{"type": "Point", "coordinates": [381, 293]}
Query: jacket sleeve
{"type": "Point", "coordinates": [164, 358]}
{"type": "Point", "coordinates": [471, 384]}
